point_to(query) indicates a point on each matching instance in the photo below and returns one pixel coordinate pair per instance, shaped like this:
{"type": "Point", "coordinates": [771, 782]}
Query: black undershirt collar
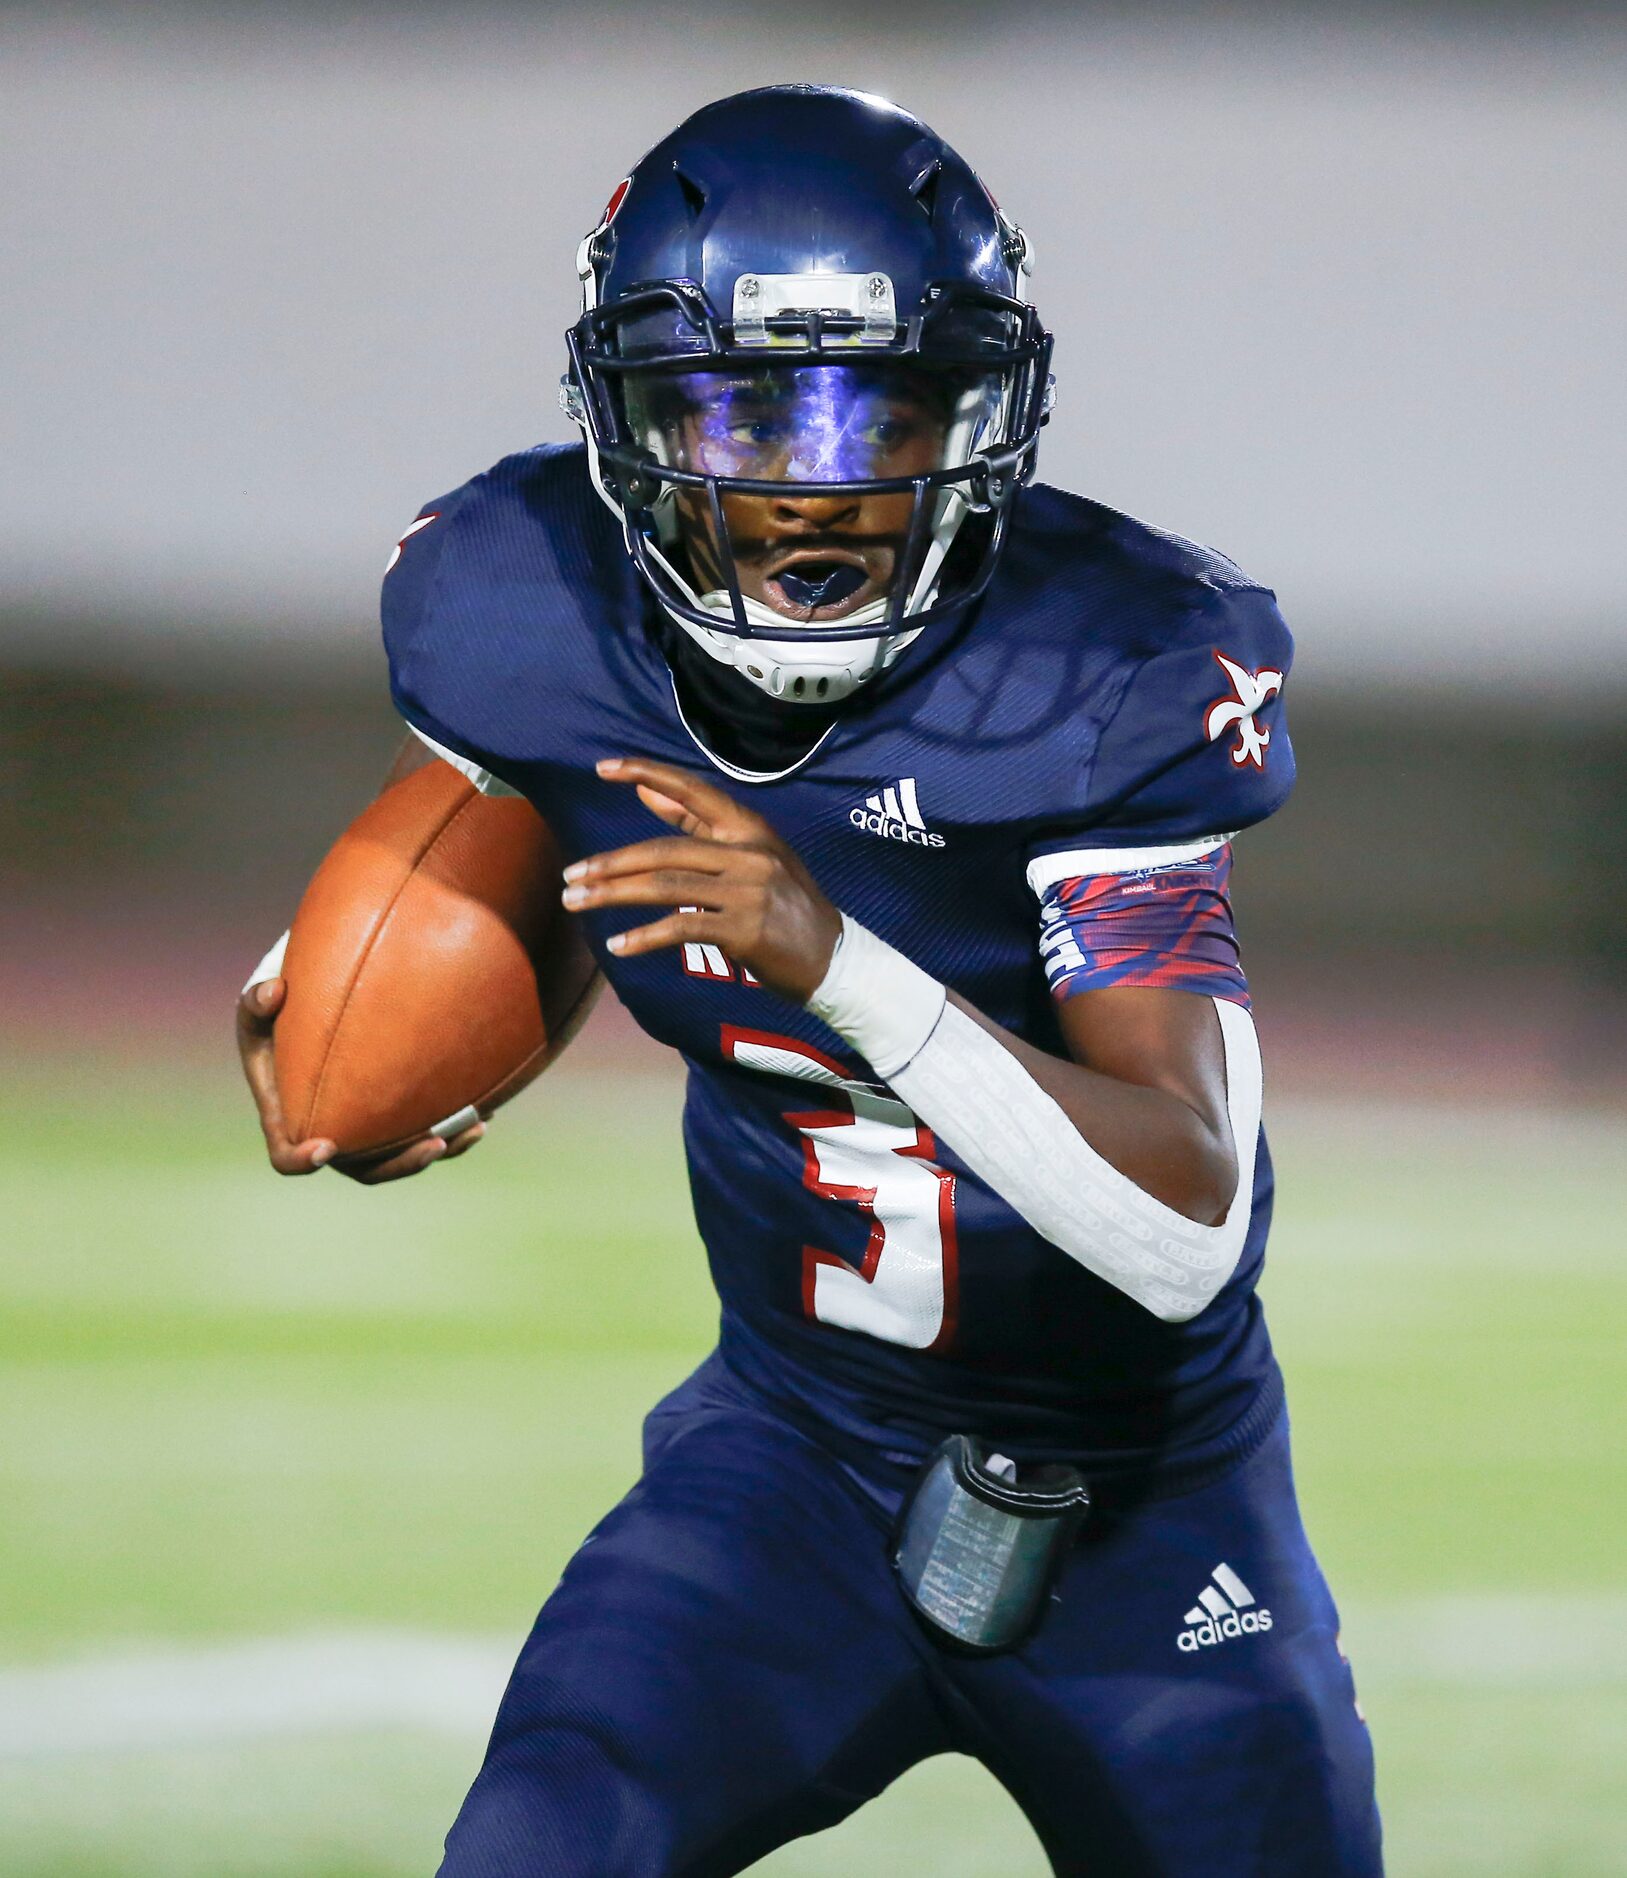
{"type": "Point", "coordinates": [732, 719]}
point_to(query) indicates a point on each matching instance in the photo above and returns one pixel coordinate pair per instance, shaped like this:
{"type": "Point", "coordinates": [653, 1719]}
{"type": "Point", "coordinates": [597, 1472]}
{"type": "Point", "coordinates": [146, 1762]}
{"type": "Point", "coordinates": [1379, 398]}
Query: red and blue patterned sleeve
{"type": "Point", "coordinates": [1154, 917]}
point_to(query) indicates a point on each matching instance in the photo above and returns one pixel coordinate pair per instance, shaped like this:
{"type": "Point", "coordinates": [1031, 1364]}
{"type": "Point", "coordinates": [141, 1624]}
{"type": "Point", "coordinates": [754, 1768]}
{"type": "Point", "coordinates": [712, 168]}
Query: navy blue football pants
{"type": "Point", "coordinates": [728, 1663]}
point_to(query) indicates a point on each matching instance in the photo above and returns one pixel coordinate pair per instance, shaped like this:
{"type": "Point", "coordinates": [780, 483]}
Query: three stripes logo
{"type": "Point", "coordinates": [1225, 1608]}
{"type": "Point", "coordinates": [895, 815]}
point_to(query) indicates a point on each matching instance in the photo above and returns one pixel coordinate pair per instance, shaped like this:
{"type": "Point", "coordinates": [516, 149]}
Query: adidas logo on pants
{"type": "Point", "coordinates": [1225, 1608]}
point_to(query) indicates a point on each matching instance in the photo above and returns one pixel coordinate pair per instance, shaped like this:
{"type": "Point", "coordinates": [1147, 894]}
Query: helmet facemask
{"type": "Point", "coordinates": [817, 560]}
{"type": "Point", "coordinates": [793, 494]}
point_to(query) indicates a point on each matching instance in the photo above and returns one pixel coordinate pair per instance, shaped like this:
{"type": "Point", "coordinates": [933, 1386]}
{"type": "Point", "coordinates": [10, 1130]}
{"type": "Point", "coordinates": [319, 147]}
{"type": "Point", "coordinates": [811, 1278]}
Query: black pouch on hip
{"type": "Point", "coordinates": [976, 1549]}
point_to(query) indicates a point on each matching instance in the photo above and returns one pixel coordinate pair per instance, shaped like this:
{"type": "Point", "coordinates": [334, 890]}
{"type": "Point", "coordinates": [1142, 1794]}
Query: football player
{"type": "Point", "coordinates": [898, 792]}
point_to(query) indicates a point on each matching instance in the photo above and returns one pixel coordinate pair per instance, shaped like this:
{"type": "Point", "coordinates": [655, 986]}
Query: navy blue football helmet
{"type": "Point", "coordinates": [801, 301]}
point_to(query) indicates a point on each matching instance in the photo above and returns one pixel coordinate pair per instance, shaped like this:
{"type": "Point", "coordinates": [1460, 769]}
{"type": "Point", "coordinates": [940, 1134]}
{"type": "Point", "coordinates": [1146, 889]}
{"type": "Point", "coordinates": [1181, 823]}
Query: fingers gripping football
{"type": "Point", "coordinates": [730, 879]}
{"type": "Point", "coordinates": [257, 1011]}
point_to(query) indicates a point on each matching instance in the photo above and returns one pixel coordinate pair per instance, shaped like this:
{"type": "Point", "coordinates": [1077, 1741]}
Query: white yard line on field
{"type": "Point", "coordinates": [1493, 1640]}
{"type": "Point", "coordinates": [348, 1681]}
{"type": "Point", "coordinates": [354, 1681]}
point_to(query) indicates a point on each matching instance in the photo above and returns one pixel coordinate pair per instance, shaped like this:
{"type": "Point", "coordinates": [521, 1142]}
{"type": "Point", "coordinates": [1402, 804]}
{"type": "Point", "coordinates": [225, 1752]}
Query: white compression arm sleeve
{"type": "Point", "coordinates": [980, 1101]}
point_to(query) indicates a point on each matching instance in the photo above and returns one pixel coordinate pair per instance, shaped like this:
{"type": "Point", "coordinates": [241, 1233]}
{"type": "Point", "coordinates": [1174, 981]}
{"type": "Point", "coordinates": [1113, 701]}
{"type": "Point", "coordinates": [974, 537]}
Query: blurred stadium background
{"type": "Point", "coordinates": [284, 1470]}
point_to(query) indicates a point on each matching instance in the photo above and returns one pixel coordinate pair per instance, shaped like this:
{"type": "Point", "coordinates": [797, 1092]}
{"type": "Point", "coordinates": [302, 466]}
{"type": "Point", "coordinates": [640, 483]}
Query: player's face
{"type": "Point", "coordinates": [813, 558]}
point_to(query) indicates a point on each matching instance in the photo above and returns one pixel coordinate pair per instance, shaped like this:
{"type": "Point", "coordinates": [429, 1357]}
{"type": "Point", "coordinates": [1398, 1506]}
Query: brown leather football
{"type": "Point", "coordinates": [431, 969]}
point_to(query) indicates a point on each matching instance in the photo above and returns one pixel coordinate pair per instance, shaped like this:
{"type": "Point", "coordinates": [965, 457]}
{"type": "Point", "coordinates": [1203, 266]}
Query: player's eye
{"type": "Point", "coordinates": [760, 429]}
{"type": "Point", "coordinates": [889, 430]}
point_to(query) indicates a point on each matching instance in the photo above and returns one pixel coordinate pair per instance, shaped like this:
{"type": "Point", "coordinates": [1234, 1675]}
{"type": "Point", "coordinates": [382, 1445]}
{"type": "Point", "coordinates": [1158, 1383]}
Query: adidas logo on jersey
{"type": "Point", "coordinates": [1225, 1608]}
{"type": "Point", "coordinates": [895, 815]}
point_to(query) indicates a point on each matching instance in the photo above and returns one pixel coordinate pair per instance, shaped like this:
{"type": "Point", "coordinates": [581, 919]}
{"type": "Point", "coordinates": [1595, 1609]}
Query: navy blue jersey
{"type": "Point", "coordinates": [1116, 694]}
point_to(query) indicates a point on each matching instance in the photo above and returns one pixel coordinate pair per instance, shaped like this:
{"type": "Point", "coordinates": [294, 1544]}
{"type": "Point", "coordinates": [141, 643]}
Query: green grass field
{"type": "Point", "coordinates": [286, 1468]}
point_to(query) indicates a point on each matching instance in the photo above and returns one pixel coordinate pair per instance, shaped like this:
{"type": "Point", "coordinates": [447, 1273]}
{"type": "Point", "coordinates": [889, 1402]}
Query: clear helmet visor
{"type": "Point", "coordinates": [798, 560]}
{"type": "Point", "coordinates": [825, 423]}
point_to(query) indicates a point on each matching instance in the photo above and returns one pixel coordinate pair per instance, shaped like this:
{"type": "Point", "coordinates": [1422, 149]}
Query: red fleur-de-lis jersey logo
{"type": "Point", "coordinates": [1249, 692]}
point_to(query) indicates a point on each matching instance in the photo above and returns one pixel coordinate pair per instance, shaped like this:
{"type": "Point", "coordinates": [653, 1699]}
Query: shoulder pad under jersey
{"type": "Point", "coordinates": [407, 614]}
{"type": "Point", "coordinates": [1198, 745]}
{"type": "Point", "coordinates": [489, 597]}
{"type": "Point", "coordinates": [1186, 734]}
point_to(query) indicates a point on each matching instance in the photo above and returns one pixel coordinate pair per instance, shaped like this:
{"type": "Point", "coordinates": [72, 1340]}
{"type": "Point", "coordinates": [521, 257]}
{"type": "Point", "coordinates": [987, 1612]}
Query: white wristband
{"type": "Point", "coordinates": [269, 967]}
{"type": "Point", "coordinates": [877, 1000]}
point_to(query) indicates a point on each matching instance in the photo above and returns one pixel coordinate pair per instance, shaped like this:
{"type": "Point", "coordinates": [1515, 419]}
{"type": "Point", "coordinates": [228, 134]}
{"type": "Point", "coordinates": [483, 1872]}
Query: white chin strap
{"type": "Point", "coordinates": [808, 664]}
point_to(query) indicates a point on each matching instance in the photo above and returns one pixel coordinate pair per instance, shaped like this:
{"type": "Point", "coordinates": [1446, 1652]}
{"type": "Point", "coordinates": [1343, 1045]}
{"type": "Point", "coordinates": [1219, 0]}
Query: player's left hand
{"type": "Point", "coordinates": [742, 889]}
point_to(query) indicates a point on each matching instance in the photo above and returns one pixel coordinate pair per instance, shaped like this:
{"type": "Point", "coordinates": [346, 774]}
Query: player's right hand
{"type": "Point", "coordinates": [257, 1012]}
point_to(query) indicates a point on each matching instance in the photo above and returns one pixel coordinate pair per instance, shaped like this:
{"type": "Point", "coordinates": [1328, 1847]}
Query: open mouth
{"type": "Point", "coordinates": [811, 581]}
{"type": "Point", "coordinates": [820, 583]}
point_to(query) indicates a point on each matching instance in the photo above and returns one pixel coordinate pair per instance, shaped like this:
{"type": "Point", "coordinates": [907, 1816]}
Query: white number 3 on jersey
{"type": "Point", "coordinates": [868, 1150]}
